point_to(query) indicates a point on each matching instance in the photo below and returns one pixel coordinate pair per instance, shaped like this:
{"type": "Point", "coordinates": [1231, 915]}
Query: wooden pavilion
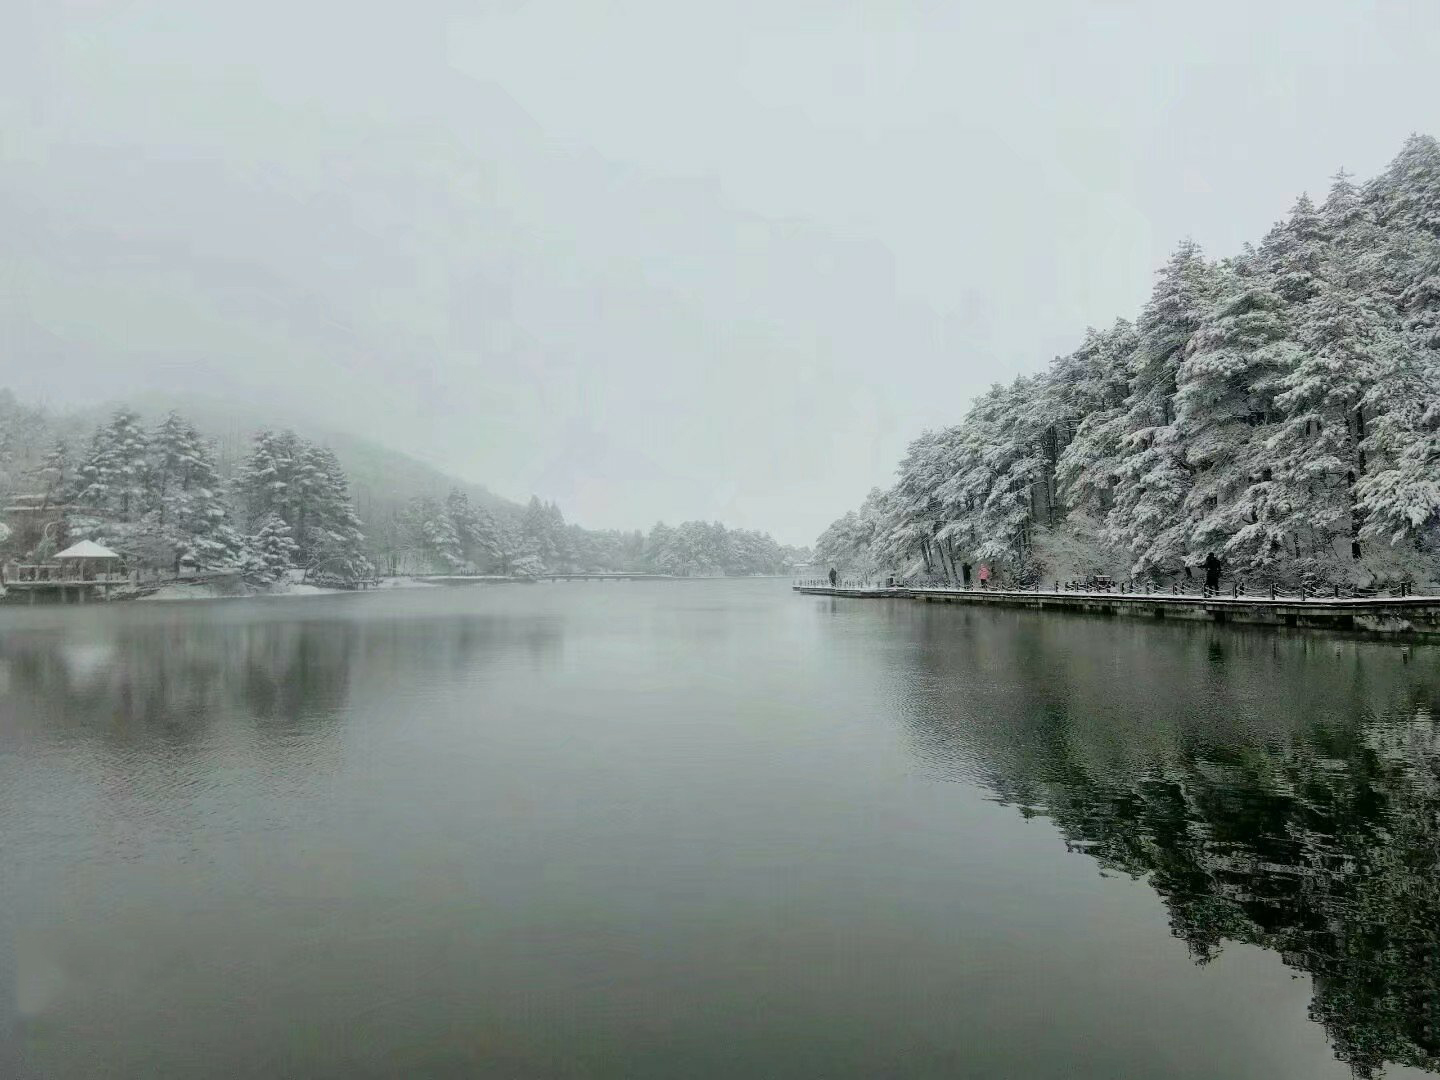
{"type": "Point", "coordinates": [89, 561]}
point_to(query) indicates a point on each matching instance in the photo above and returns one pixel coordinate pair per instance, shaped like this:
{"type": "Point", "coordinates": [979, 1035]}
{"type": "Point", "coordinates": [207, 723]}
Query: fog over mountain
{"type": "Point", "coordinates": [651, 261]}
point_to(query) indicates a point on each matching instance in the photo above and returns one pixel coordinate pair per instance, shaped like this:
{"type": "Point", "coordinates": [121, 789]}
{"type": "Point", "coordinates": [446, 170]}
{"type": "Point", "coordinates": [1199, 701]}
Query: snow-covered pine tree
{"type": "Point", "coordinates": [174, 445]}
{"type": "Point", "coordinates": [930, 461]}
{"type": "Point", "coordinates": [1346, 335]}
{"type": "Point", "coordinates": [306, 486]}
{"type": "Point", "coordinates": [989, 502]}
{"type": "Point", "coordinates": [1089, 388]}
{"type": "Point", "coordinates": [1154, 478]}
{"type": "Point", "coordinates": [434, 535]}
{"type": "Point", "coordinates": [536, 528]}
{"type": "Point", "coordinates": [465, 523]}
{"type": "Point", "coordinates": [187, 511]}
{"type": "Point", "coordinates": [1407, 194]}
{"type": "Point", "coordinates": [271, 552]}
{"type": "Point", "coordinates": [50, 474]}
{"type": "Point", "coordinates": [563, 556]}
{"type": "Point", "coordinates": [1303, 414]}
{"type": "Point", "coordinates": [1400, 502]}
{"type": "Point", "coordinates": [110, 483]}
{"type": "Point", "coordinates": [491, 544]}
{"type": "Point", "coordinates": [262, 483]}
{"type": "Point", "coordinates": [1400, 493]}
{"type": "Point", "coordinates": [1088, 391]}
{"type": "Point", "coordinates": [1226, 414]}
{"type": "Point", "coordinates": [333, 541]}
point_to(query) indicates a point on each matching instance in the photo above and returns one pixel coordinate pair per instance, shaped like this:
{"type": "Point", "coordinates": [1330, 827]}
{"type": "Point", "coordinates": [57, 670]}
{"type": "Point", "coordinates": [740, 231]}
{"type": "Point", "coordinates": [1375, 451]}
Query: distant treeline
{"type": "Point", "coordinates": [1280, 408]}
{"type": "Point", "coordinates": [457, 536]}
{"type": "Point", "coordinates": [157, 496]}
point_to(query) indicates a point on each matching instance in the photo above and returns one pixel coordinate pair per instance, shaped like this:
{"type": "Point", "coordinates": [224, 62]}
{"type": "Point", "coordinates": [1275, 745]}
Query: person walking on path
{"type": "Point", "coordinates": [1212, 574]}
{"type": "Point", "coordinates": [832, 577]}
{"type": "Point", "coordinates": [984, 575]}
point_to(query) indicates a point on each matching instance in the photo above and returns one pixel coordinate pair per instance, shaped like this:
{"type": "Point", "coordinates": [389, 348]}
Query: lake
{"type": "Point", "coordinates": [709, 829]}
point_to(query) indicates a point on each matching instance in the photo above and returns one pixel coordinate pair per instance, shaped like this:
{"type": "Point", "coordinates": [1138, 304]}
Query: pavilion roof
{"type": "Point", "coordinates": [87, 549]}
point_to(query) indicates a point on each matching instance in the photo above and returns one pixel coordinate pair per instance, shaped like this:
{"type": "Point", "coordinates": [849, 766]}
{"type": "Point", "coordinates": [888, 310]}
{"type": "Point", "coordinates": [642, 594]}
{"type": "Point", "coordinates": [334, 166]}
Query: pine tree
{"type": "Point", "coordinates": [536, 529]}
{"type": "Point", "coordinates": [187, 509]}
{"type": "Point", "coordinates": [1346, 336]}
{"type": "Point", "coordinates": [333, 540]}
{"type": "Point", "coordinates": [1090, 387]}
{"type": "Point", "coordinates": [432, 527]}
{"type": "Point", "coordinates": [465, 523]}
{"type": "Point", "coordinates": [111, 481]}
{"type": "Point", "coordinates": [1234, 367]}
{"type": "Point", "coordinates": [491, 545]}
{"type": "Point", "coordinates": [50, 474]}
{"type": "Point", "coordinates": [1283, 409]}
{"type": "Point", "coordinates": [1147, 519]}
{"type": "Point", "coordinates": [262, 483]}
{"type": "Point", "coordinates": [305, 485]}
{"type": "Point", "coordinates": [272, 551]}
{"type": "Point", "coordinates": [563, 557]}
{"type": "Point", "coordinates": [1407, 195]}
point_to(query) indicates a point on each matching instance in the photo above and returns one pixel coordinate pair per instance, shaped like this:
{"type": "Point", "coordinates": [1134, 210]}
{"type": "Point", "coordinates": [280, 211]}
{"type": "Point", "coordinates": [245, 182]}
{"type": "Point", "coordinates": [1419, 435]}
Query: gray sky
{"type": "Point", "coordinates": [652, 259]}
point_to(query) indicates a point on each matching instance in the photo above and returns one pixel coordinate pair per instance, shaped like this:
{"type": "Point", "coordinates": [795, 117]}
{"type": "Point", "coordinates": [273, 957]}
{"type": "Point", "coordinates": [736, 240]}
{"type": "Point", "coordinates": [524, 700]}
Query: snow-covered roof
{"type": "Point", "coordinates": [87, 549]}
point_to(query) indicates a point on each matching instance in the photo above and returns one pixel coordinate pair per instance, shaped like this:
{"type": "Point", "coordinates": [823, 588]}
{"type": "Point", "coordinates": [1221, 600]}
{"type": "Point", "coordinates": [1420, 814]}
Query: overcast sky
{"type": "Point", "coordinates": [656, 259]}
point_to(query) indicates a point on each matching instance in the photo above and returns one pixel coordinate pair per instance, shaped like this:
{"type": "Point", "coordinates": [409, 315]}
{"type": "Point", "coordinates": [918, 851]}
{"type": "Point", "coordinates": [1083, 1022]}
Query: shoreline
{"type": "Point", "coordinates": [1409, 617]}
{"type": "Point", "coordinates": [179, 592]}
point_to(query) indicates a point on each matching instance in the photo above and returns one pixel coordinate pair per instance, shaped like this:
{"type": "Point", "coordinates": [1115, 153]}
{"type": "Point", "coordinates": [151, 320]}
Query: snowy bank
{"type": "Point", "coordinates": [230, 589]}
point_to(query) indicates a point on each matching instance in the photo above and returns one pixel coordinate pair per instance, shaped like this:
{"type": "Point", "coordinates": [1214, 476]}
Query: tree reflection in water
{"type": "Point", "coordinates": [1277, 791]}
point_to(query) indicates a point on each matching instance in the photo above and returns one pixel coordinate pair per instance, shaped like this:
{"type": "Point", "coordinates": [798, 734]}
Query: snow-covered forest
{"type": "Point", "coordinates": [162, 495]}
{"type": "Point", "coordinates": [1280, 408]}
{"type": "Point", "coordinates": [455, 535]}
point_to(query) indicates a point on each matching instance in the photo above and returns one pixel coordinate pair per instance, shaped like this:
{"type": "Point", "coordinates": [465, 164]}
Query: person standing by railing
{"type": "Point", "coordinates": [1212, 574]}
{"type": "Point", "coordinates": [984, 575]}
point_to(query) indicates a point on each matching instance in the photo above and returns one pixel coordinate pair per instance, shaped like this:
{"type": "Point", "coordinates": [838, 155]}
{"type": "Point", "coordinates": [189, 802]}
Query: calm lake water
{"type": "Point", "coordinates": [709, 829]}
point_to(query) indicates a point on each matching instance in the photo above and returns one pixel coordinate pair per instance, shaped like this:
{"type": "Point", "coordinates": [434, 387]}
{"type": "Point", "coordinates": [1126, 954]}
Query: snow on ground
{"type": "Point", "coordinates": [190, 592]}
{"type": "Point", "coordinates": [231, 589]}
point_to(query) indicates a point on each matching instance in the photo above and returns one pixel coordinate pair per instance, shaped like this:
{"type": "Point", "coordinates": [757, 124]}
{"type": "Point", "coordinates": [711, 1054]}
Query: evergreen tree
{"type": "Point", "coordinates": [1235, 365]}
{"type": "Point", "coordinates": [1091, 387]}
{"type": "Point", "coordinates": [112, 480]}
{"type": "Point", "coordinates": [305, 485]}
{"type": "Point", "coordinates": [188, 511]}
{"type": "Point", "coordinates": [50, 474]}
{"type": "Point", "coordinates": [537, 531]}
{"type": "Point", "coordinates": [262, 482]}
{"type": "Point", "coordinates": [465, 522]}
{"type": "Point", "coordinates": [334, 539]}
{"type": "Point", "coordinates": [1345, 340]}
{"type": "Point", "coordinates": [1147, 519]}
{"type": "Point", "coordinates": [272, 551]}
{"type": "Point", "coordinates": [1281, 409]}
{"type": "Point", "coordinates": [433, 532]}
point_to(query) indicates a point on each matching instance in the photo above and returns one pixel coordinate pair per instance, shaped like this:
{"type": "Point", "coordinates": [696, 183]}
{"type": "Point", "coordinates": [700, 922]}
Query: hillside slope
{"type": "Point", "coordinates": [382, 479]}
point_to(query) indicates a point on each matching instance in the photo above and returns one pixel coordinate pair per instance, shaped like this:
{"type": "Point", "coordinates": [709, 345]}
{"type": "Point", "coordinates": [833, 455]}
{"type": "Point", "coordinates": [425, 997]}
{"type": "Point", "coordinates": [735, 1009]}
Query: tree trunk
{"type": "Point", "coordinates": [1354, 432]}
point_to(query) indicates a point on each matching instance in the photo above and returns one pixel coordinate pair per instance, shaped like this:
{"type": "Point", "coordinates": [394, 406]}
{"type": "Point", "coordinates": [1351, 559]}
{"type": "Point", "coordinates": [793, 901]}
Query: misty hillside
{"type": "Point", "coordinates": [178, 482]}
{"type": "Point", "coordinates": [382, 479]}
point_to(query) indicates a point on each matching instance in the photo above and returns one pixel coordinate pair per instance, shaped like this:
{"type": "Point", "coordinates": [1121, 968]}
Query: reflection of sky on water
{"type": "Point", "coordinates": [570, 812]}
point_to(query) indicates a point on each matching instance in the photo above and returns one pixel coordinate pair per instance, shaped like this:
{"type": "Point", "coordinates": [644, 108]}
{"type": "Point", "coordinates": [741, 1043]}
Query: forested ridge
{"type": "Point", "coordinates": [1280, 408]}
{"type": "Point", "coordinates": [161, 495]}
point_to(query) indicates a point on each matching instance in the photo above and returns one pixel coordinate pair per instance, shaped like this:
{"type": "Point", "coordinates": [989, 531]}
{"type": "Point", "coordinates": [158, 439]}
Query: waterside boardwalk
{"type": "Point", "coordinates": [1400, 616]}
